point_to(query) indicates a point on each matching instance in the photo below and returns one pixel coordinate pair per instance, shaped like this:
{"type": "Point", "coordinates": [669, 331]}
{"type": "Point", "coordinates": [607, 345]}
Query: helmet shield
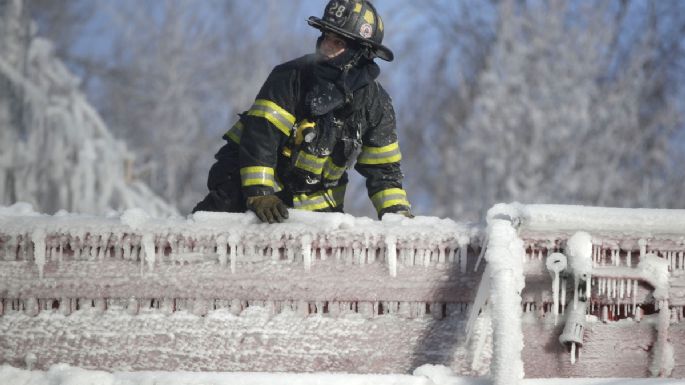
{"type": "Point", "coordinates": [356, 20]}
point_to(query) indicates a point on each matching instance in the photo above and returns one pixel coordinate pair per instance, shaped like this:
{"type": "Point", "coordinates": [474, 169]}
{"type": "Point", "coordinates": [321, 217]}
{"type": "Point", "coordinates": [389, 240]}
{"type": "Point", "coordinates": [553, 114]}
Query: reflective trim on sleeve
{"type": "Point", "coordinates": [276, 115]}
{"type": "Point", "coordinates": [388, 198]}
{"type": "Point", "coordinates": [235, 132]}
{"type": "Point", "coordinates": [257, 176]}
{"type": "Point", "coordinates": [310, 163]}
{"type": "Point", "coordinates": [320, 200]}
{"type": "Point", "coordinates": [380, 155]}
{"type": "Point", "coordinates": [331, 171]}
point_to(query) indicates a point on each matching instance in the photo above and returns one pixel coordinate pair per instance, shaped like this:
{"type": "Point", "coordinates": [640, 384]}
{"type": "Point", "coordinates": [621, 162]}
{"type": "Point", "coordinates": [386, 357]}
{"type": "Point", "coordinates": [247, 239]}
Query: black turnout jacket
{"type": "Point", "coordinates": [299, 144]}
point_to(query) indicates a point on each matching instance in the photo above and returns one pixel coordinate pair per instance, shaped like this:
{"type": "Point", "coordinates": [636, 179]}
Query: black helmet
{"type": "Point", "coordinates": [356, 20]}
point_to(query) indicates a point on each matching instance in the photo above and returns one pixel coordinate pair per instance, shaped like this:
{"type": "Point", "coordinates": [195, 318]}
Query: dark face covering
{"type": "Point", "coordinates": [336, 79]}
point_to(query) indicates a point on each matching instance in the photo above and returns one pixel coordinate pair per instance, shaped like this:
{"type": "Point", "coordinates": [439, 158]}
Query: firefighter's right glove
{"type": "Point", "coordinates": [269, 208]}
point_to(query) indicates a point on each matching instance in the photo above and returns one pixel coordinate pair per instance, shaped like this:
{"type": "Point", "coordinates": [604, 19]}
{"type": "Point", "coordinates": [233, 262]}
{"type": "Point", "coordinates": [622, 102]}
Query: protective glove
{"type": "Point", "coordinates": [406, 213]}
{"type": "Point", "coordinates": [269, 208]}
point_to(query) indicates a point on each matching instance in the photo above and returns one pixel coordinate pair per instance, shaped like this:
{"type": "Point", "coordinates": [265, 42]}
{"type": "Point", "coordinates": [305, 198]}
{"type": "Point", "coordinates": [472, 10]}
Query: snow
{"type": "Point", "coordinates": [322, 247]}
{"type": "Point", "coordinates": [63, 374]}
{"type": "Point", "coordinates": [222, 236]}
{"type": "Point", "coordinates": [567, 218]}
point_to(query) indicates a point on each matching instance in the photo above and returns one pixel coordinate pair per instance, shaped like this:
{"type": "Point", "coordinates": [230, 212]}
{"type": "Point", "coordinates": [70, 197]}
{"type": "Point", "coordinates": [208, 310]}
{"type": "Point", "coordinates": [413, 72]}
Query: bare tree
{"type": "Point", "coordinates": [555, 113]}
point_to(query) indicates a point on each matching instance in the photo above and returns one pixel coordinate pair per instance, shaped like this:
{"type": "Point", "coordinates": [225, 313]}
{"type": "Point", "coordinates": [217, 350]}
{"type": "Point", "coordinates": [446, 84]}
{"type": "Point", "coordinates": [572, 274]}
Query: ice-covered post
{"type": "Point", "coordinates": [505, 256]}
{"type": "Point", "coordinates": [655, 271]}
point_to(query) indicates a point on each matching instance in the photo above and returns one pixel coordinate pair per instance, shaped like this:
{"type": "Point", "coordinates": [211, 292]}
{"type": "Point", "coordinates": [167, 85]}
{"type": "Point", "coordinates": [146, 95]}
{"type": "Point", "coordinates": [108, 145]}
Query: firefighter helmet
{"type": "Point", "coordinates": [356, 20]}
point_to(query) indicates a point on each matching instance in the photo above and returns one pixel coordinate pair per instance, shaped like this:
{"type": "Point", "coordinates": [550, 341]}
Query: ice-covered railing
{"type": "Point", "coordinates": [609, 251]}
{"type": "Point", "coordinates": [328, 262]}
{"type": "Point", "coordinates": [232, 239]}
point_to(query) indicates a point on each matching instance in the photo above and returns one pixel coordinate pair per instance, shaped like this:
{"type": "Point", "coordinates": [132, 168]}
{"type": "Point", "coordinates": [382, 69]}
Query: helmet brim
{"type": "Point", "coordinates": [379, 50]}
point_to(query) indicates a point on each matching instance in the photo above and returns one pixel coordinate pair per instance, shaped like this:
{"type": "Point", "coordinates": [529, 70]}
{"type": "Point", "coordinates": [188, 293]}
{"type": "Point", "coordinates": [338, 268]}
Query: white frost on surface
{"type": "Point", "coordinates": [506, 255]}
{"type": "Point", "coordinates": [539, 217]}
{"type": "Point", "coordinates": [655, 271]}
{"type": "Point", "coordinates": [63, 374]}
{"type": "Point", "coordinates": [304, 237]}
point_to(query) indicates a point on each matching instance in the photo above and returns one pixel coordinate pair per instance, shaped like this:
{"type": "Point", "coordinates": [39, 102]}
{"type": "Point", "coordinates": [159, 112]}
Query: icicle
{"type": "Point", "coordinates": [38, 238]}
{"type": "Point", "coordinates": [441, 255]}
{"type": "Point", "coordinates": [605, 313]}
{"type": "Point", "coordinates": [391, 254]}
{"type": "Point", "coordinates": [148, 246]}
{"type": "Point", "coordinates": [681, 260]}
{"type": "Point", "coordinates": [672, 259]}
{"type": "Point", "coordinates": [126, 245]}
{"type": "Point", "coordinates": [622, 288]}
{"type": "Point", "coordinates": [357, 255]}
{"type": "Point", "coordinates": [629, 287]}
{"type": "Point", "coordinates": [31, 307]}
{"type": "Point", "coordinates": [573, 353]}
{"type": "Point", "coordinates": [426, 257]}
{"type": "Point", "coordinates": [555, 295]}
{"type": "Point", "coordinates": [588, 289]}
{"type": "Point", "coordinates": [132, 306]}
{"type": "Point", "coordinates": [349, 254]}
{"type": "Point", "coordinates": [306, 247]}
{"type": "Point", "coordinates": [575, 293]}
{"type": "Point", "coordinates": [233, 241]}
{"type": "Point", "coordinates": [64, 306]}
{"type": "Point", "coordinates": [463, 254]}
{"type": "Point", "coordinates": [452, 254]}
{"type": "Point", "coordinates": [563, 295]}
{"type": "Point", "coordinates": [643, 248]}
{"type": "Point", "coordinates": [222, 249]}
{"type": "Point", "coordinates": [629, 258]}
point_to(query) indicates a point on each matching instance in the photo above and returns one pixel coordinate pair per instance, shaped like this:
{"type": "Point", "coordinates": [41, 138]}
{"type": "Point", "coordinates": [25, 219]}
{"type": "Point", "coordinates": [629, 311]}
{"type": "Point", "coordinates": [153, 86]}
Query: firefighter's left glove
{"type": "Point", "coordinates": [406, 213]}
{"type": "Point", "coordinates": [269, 208]}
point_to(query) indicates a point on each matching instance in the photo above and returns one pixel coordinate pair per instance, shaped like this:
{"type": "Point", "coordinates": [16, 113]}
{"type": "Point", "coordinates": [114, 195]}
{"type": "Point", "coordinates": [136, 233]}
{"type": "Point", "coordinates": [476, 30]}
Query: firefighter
{"type": "Point", "coordinates": [314, 118]}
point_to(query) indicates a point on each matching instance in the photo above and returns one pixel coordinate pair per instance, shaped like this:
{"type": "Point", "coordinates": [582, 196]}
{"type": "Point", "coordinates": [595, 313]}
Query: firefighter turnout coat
{"type": "Point", "coordinates": [281, 146]}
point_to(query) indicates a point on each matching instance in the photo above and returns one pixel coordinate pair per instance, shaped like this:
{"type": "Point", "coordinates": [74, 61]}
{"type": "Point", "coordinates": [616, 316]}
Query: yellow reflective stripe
{"type": "Point", "coordinates": [309, 162]}
{"type": "Point", "coordinates": [388, 198]}
{"type": "Point", "coordinates": [320, 200]}
{"type": "Point", "coordinates": [276, 115]}
{"type": "Point", "coordinates": [257, 176]}
{"type": "Point", "coordinates": [368, 16]}
{"type": "Point", "coordinates": [338, 194]}
{"type": "Point", "coordinates": [380, 24]}
{"type": "Point", "coordinates": [235, 132]}
{"type": "Point", "coordinates": [380, 155]}
{"type": "Point", "coordinates": [331, 171]}
{"type": "Point", "coordinates": [311, 203]}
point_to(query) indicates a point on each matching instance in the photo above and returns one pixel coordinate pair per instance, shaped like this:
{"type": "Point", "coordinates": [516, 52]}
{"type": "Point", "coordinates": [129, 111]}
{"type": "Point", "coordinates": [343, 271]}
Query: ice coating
{"type": "Point", "coordinates": [655, 271]}
{"type": "Point", "coordinates": [556, 263]}
{"type": "Point", "coordinates": [579, 252]}
{"type": "Point", "coordinates": [505, 256]}
{"type": "Point", "coordinates": [321, 247]}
